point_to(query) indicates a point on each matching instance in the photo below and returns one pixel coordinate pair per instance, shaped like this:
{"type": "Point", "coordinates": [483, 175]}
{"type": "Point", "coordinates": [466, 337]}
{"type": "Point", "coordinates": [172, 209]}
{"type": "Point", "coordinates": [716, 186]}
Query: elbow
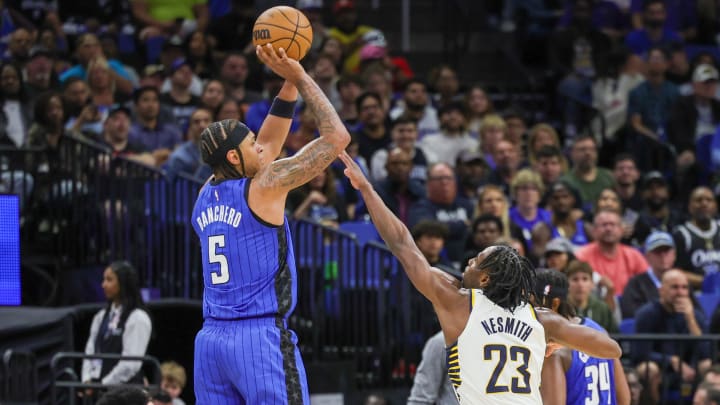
{"type": "Point", "coordinates": [615, 351]}
{"type": "Point", "coordinates": [344, 139]}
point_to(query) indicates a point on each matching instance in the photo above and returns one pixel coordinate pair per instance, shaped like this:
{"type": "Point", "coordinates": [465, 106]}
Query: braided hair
{"type": "Point", "coordinates": [550, 284]}
{"type": "Point", "coordinates": [212, 139]}
{"type": "Point", "coordinates": [512, 277]}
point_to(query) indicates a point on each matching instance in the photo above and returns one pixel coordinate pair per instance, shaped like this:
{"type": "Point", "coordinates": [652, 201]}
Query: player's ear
{"type": "Point", "coordinates": [555, 304]}
{"type": "Point", "coordinates": [483, 279]}
{"type": "Point", "coordinates": [232, 157]}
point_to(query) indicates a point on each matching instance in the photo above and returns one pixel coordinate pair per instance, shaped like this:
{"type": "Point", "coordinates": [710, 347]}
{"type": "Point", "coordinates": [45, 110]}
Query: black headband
{"type": "Point", "coordinates": [234, 138]}
{"type": "Point", "coordinates": [550, 291]}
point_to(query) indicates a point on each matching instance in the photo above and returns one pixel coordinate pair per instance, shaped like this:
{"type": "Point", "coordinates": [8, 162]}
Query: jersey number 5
{"type": "Point", "coordinates": [222, 276]}
{"type": "Point", "coordinates": [518, 354]}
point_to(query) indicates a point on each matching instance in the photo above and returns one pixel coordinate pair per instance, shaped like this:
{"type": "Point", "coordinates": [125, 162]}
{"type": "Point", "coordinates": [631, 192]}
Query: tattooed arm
{"type": "Point", "coordinates": [272, 183]}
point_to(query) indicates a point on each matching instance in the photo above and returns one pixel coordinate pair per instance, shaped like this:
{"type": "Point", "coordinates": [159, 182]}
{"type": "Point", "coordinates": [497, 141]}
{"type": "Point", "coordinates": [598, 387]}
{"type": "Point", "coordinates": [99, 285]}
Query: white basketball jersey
{"type": "Point", "coordinates": [498, 358]}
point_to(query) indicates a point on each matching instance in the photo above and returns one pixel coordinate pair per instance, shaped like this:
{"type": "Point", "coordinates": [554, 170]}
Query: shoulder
{"type": "Point", "coordinates": [648, 311]}
{"type": "Point", "coordinates": [585, 251]}
{"type": "Point", "coordinates": [99, 315]}
{"type": "Point", "coordinates": [140, 316]}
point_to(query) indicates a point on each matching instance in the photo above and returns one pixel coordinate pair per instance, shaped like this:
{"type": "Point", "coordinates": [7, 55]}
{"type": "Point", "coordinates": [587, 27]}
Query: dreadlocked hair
{"type": "Point", "coordinates": [210, 140]}
{"type": "Point", "coordinates": [512, 277]}
{"type": "Point", "coordinates": [551, 284]}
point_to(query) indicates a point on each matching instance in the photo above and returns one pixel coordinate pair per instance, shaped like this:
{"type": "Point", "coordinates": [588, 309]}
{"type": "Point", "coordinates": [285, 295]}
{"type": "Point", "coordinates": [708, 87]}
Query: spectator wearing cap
{"type": "Point", "coordinates": [643, 288]}
{"type": "Point", "coordinates": [580, 295]}
{"type": "Point", "coordinates": [472, 172]}
{"type": "Point", "coordinates": [558, 254]}
{"type": "Point", "coordinates": [657, 214]}
{"type": "Point", "coordinates": [416, 104]}
{"type": "Point", "coordinates": [526, 189]}
{"type": "Point", "coordinates": [404, 135]}
{"type": "Point", "coordinates": [87, 48]}
{"type": "Point", "coordinates": [453, 136]}
{"type": "Point", "coordinates": [398, 189]}
{"type": "Point", "coordinates": [115, 137]}
{"type": "Point", "coordinates": [649, 110]}
{"type": "Point", "coordinates": [375, 53]}
{"type": "Point", "coordinates": [695, 116]}
{"type": "Point", "coordinates": [186, 159]}
{"type": "Point", "coordinates": [626, 175]}
{"type": "Point", "coordinates": [38, 72]}
{"type": "Point", "coordinates": [173, 50]}
{"type": "Point", "coordinates": [445, 205]}
{"type": "Point", "coordinates": [158, 137]}
{"type": "Point", "coordinates": [179, 98]}
{"type": "Point", "coordinates": [349, 32]}
{"type": "Point", "coordinates": [567, 221]}
{"type": "Point", "coordinates": [698, 239]}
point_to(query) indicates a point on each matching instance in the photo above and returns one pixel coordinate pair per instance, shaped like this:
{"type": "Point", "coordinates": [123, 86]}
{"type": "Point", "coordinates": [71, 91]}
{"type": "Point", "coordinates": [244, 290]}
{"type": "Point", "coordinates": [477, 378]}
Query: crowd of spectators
{"type": "Point", "coordinates": [623, 200]}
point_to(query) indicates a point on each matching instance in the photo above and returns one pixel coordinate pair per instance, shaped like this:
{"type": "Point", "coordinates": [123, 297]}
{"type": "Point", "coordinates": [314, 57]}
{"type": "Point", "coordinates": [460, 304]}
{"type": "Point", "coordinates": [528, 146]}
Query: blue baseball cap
{"type": "Point", "coordinates": [658, 239]}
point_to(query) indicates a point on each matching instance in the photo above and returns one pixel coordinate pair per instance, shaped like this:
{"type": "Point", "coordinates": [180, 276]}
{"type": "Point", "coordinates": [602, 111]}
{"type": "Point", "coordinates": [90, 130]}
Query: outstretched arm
{"type": "Point", "coordinates": [577, 337]}
{"type": "Point", "coordinates": [434, 284]}
{"type": "Point", "coordinates": [275, 129]}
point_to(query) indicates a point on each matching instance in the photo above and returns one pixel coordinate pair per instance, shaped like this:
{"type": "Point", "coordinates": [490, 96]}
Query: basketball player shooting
{"type": "Point", "coordinates": [245, 353]}
{"type": "Point", "coordinates": [496, 341]}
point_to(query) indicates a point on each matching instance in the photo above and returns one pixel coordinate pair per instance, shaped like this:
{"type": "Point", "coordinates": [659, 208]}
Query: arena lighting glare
{"type": "Point", "coordinates": [9, 249]}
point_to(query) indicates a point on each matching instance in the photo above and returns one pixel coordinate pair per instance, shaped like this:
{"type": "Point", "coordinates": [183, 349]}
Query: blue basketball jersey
{"type": "Point", "coordinates": [590, 380]}
{"type": "Point", "coordinates": [248, 264]}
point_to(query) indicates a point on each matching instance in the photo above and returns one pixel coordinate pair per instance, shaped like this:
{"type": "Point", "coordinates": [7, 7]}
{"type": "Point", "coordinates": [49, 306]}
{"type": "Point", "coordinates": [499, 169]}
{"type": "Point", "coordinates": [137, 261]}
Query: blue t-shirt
{"type": "Point", "coordinates": [590, 380]}
{"type": "Point", "coordinates": [528, 225]}
{"type": "Point", "coordinates": [248, 264]}
{"type": "Point", "coordinates": [579, 238]}
{"type": "Point", "coordinates": [639, 42]}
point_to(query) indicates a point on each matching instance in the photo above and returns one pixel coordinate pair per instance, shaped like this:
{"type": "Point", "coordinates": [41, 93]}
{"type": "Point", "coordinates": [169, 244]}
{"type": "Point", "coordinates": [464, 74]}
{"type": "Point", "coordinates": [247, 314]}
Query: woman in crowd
{"type": "Point", "coordinates": [478, 106]}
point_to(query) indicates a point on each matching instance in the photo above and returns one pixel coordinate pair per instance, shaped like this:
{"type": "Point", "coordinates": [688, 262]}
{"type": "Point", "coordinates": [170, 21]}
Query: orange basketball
{"type": "Point", "coordinates": [284, 27]}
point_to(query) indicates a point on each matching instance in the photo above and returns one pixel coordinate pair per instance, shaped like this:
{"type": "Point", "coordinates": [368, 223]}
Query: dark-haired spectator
{"type": "Point", "coordinates": [326, 76]}
{"type": "Point", "coordinates": [580, 295]}
{"type": "Point", "coordinates": [681, 16]}
{"type": "Point", "coordinates": [229, 110]}
{"type": "Point", "coordinates": [87, 49]}
{"type": "Point", "coordinates": [550, 163]}
{"type": "Point", "coordinates": [653, 31]}
{"type": "Point", "coordinates": [158, 137]}
{"type": "Point", "coordinates": [377, 80]}
{"type": "Point", "coordinates": [566, 220]}
{"type": "Point", "coordinates": [445, 205]}
{"type": "Point", "coordinates": [372, 134]}
{"type": "Point", "coordinates": [12, 19]}
{"type": "Point", "coordinates": [179, 98]}
{"type": "Point", "coordinates": [233, 31]}
{"type": "Point", "coordinates": [398, 189]}
{"type": "Point", "coordinates": [18, 47]}
{"type": "Point", "coordinates": [484, 231]}
{"type": "Point", "coordinates": [234, 70]}
{"type": "Point", "coordinates": [643, 288]}
{"type": "Point", "coordinates": [213, 95]}
{"type": "Point", "coordinates": [445, 83]}
{"type": "Point", "coordinates": [679, 71]}
{"type": "Point", "coordinates": [430, 237]}
{"type": "Point", "coordinates": [695, 116]}
{"type": "Point", "coordinates": [81, 114]}
{"type": "Point", "coordinates": [416, 105]}
{"type": "Point", "coordinates": [478, 106]}
{"type": "Point", "coordinates": [453, 137]}
{"type": "Point", "coordinates": [122, 327]}
{"type": "Point", "coordinates": [404, 135]}
{"type": "Point", "coordinates": [649, 111]}
{"type": "Point", "coordinates": [172, 50]}
{"type": "Point", "coordinates": [318, 200]}
{"type": "Point", "coordinates": [586, 176]}
{"type": "Point", "coordinates": [656, 214]}
{"type": "Point", "coordinates": [516, 127]}
{"type": "Point", "coordinates": [507, 164]}
{"type": "Point", "coordinates": [698, 239]}
{"type": "Point", "coordinates": [199, 52]}
{"type": "Point", "coordinates": [186, 158]}
{"type": "Point", "coordinates": [626, 175]}
{"type": "Point", "coordinates": [38, 72]}
{"type": "Point", "coordinates": [349, 88]}
{"type": "Point", "coordinates": [16, 114]}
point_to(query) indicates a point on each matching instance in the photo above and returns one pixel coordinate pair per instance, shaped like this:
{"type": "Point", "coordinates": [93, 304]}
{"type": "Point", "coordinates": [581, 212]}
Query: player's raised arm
{"type": "Point", "coordinates": [275, 128]}
{"type": "Point", "coordinates": [286, 174]}
{"type": "Point", "coordinates": [589, 341]}
{"type": "Point", "coordinates": [432, 283]}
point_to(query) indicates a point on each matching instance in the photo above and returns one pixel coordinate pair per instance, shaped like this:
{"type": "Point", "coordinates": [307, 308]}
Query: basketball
{"type": "Point", "coordinates": [284, 27]}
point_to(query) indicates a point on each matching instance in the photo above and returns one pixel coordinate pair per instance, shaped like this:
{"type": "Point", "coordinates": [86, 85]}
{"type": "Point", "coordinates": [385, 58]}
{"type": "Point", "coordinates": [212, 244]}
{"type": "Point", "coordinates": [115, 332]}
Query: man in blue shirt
{"type": "Point", "coordinates": [653, 32]}
{"type": "Point", "coordinates": [160, 138]}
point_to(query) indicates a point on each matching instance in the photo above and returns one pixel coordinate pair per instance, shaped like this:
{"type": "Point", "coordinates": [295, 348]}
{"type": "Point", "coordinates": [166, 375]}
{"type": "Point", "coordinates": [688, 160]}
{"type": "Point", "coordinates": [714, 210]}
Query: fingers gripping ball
{"type": "Point", "coordinates": [284, 27]}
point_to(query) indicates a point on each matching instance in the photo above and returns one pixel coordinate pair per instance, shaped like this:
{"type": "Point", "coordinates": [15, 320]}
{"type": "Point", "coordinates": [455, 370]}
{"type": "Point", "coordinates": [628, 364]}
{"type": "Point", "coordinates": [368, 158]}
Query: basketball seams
{"type": "Point", "coordinates": [269, 22]}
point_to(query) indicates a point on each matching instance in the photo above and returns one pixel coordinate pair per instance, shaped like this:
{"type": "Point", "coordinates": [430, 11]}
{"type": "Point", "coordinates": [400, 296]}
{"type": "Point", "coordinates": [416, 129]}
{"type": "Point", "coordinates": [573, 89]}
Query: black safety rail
{"type": "Point", "coordinates": [65, 376]}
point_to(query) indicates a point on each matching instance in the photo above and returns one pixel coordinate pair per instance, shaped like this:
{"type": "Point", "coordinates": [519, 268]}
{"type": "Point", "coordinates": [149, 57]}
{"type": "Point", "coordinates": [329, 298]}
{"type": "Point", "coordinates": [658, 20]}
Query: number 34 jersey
{"type": "Point", "coordinates": [590, 380]}
{"type": "Point", "coordinates": [248, 264]}
{"type": "Point", "coordinates": [498, 358]}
